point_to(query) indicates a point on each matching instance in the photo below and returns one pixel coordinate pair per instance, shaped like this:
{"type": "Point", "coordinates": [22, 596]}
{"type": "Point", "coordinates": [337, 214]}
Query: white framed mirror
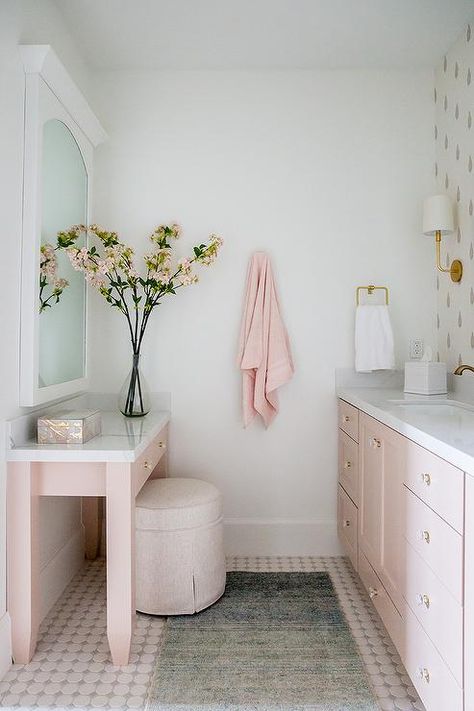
{"type": "Point", "coordinates": [61, 133]}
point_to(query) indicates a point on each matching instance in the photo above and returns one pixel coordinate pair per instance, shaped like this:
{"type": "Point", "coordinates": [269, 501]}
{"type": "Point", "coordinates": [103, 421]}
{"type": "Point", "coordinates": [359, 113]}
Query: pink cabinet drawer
{"type": "Point", "coordinates": [349, 466]}
{"type": "Point", "coordinates": [433, 605]}
{"type": "Point", "coordinates": [431, 677]}
{"type": "Point", "coordinates": [148, 461]}
{"type": "Point", "coordinates": [349, 419]}
{"type": "Point", "coordinates": [347, 525]}
{"type": "Point", "coordinates": [382, 602]}
{"type": "Point", "coordinates": [438, 483]}
{"type": "Point", "coordinates": [440, 546]}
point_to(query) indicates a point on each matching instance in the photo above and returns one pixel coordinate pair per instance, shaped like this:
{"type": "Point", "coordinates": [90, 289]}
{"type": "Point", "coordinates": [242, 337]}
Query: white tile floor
{"type": "Point", "coordinates": [71, 667]}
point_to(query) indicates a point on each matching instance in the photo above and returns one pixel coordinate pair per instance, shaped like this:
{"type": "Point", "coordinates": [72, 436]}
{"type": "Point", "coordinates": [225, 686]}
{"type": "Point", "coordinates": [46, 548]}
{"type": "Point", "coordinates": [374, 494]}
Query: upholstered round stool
{"type": "Point", "coordinates": [180, 563]}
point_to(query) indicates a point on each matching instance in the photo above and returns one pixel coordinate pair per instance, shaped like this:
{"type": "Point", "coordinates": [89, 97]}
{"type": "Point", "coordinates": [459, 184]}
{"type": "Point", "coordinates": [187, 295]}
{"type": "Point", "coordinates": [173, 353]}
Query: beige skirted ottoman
{"type": "Point", "coordinates": [180, 563]}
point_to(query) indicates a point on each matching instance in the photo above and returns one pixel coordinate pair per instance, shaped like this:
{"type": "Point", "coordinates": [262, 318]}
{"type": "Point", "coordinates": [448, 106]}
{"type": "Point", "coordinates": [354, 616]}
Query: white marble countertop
{"type": "Point", "coordinates": [122, 440]}
{"type": "Point", "coordinates": [447, 431]}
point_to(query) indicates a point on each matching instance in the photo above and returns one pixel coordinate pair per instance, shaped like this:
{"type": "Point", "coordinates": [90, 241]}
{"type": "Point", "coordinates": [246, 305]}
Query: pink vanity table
{"type": "Point", "coordinates": [114, 465]}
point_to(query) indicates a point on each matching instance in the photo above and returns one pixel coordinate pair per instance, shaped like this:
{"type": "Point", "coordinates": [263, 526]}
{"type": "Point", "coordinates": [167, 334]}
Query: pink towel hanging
{"type": "Point", "coordinates": [264, 353]}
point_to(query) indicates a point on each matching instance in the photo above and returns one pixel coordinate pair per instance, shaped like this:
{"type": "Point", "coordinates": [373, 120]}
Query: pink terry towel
{"type": "Point", "coordinates": [264, 353]}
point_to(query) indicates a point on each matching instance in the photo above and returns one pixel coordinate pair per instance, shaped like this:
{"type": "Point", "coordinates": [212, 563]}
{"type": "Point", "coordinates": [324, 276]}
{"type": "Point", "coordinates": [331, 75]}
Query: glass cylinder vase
{"type": "Point", "coordinates": [134, 398]}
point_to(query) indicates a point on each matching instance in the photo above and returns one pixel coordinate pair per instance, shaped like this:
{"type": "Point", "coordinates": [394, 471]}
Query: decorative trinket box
{"type": "Point", "coordinates": [69, 427]}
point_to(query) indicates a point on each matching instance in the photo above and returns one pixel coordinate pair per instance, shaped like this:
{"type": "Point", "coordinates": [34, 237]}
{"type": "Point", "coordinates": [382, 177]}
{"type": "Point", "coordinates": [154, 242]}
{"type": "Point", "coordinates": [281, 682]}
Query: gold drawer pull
{"type": "Point", "coordinates": [162, 445]}
{"type": "Point", "coordinates": [375, 443]}
{"type": "Point", "coordinates": [348, 464]}
{"type": "Point", "coordinates": [346, 418]}
{"type": "Point", "coordinates": [146, 465]}
{"type": "Point", "coordinates": [426, 536]}
{"type": "Point", "coordinates": [426, 479]}
{"type": "Point", "coordinates": [424, 674]}
{"type": "Point", "coordinates": [346, 523]}
{"type": "Point", "coordinates": [423, 600]}
{"type": "Point", "coordinates": [373, 592]}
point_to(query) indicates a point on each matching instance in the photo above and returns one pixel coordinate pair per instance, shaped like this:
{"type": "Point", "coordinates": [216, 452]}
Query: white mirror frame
{"type": "Point", "coordinates": [49, 93]}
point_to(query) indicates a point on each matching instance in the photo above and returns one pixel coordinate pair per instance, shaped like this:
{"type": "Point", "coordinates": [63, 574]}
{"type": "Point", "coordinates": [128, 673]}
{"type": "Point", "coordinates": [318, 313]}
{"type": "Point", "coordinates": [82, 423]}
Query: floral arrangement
{"type": "Point", "coordinates": [111, 269]}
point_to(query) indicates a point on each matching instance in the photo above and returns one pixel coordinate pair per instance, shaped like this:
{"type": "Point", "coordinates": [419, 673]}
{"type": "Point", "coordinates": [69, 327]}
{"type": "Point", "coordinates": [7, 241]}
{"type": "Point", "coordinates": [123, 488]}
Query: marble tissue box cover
{"type": "Point", "coordinates": [69, 427]}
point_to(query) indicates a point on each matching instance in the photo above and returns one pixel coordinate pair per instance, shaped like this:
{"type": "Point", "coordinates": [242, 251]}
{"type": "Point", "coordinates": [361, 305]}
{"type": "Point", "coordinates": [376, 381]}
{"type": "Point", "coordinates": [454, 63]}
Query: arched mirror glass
{"type": "Point", "coordinates": [62, 327]}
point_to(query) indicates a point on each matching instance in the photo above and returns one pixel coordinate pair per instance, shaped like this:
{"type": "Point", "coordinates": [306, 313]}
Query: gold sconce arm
{"type": "Point", "coordinates": [455, 270]}
{"type": "Point", "coordinates": [438, 253]}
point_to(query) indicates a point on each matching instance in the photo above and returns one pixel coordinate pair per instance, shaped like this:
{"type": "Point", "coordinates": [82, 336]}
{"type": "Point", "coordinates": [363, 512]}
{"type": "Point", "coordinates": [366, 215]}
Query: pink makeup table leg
{"type": "Point", "coordinates": [120, 508]}
{"type": "Point", "coordinates": [22, 560]}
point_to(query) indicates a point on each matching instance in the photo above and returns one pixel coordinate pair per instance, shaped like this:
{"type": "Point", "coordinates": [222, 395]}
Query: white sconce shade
{"type": "Point", "coordinates": [438, 220]}
{"type": "Point", "coordinates": [438, 215]}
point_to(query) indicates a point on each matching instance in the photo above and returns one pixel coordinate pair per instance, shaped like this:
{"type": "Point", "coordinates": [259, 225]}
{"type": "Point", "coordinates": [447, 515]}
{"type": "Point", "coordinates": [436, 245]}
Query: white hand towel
{"type": "Point", "coordinates": [373, 339]}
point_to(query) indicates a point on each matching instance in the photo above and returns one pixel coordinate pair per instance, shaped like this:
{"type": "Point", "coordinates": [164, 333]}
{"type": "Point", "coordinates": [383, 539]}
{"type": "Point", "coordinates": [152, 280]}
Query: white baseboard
{"type": "Point", "coordinates": [60, 570]}
{"type": "Point", "coordinates": [5, 644]}
{"type": "Point", "coordinates": [273, 537]}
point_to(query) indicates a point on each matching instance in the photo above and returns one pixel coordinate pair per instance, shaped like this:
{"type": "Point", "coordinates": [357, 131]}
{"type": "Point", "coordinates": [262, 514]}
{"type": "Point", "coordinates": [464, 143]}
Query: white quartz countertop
{"type": "Point", "coordinates": [122, 440]}
{"type": "Point", "coordinates": [435, 422]}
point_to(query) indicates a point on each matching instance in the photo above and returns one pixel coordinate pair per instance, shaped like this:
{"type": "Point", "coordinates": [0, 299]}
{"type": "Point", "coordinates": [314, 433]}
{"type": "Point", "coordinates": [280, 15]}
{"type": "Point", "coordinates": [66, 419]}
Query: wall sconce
{"type": "Point", "coordinates": [438, 220]}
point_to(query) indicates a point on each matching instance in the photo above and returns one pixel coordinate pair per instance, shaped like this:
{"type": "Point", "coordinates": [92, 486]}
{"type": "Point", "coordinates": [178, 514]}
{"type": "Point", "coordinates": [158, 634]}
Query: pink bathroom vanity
{"type": "Point", "coordinates": [406, 521]}
{"type": "Point", "coordinates": [114, 465]}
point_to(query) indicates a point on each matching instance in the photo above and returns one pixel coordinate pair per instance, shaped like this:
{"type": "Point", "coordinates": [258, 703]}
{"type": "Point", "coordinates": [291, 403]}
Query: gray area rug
{"type": "Point", "coordinates": [274, 642]}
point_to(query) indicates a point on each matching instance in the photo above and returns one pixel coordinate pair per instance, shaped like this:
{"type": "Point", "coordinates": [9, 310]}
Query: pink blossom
{"type": "Point", "coordinates": [185, 265]}
{"type": "Point", "coordinates": [48, 261]}
{"type": "Point", "coordinates": [94, 279]}
{"type": "Point", "coordinates": [106, 265]}
{"type": "Point", "coordinates": [61, 284]}
{"type": "Point", "coordinates": [188, 279]}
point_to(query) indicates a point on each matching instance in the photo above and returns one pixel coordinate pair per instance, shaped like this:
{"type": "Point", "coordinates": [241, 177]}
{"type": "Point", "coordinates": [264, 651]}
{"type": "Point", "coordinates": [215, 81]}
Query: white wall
{"type": "Point", "coordinates": [324, 170]}
{"type": "Point", "coordinates": [24, 21]}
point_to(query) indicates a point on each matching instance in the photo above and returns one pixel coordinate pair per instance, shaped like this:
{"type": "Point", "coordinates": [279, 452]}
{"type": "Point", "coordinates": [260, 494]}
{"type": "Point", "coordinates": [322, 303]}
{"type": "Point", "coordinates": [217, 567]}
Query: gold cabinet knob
{"type": "Point", "coordinates": [347, 464]}
{"type": "Point", "coordinates": [426, 479]}
{"type": "Point", "coordinates": [426, 536]}
{"type": "Point", "coordinates": [146, 465]}
{"type": "Point", "coordinates": [423, 600]}
{"type": "Point", "coordinates": [346, 418]}
{"type": "Point", "coordinates": [373, 592]}
{"type": "Point", "coordinates": [424, 674]}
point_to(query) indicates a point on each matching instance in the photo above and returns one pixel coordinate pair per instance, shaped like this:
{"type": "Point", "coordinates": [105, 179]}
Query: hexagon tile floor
{"type": "Point", "coordinates": [71, 667]}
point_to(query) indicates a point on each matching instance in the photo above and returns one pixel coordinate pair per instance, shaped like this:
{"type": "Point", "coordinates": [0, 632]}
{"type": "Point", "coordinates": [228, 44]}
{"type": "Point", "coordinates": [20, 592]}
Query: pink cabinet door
{"type": "Point", "coordinates": [392, 542]}
{"type": "Point", "coordinates": [381, 520]}
{"type": "Point", "coordinates": [370, 489]}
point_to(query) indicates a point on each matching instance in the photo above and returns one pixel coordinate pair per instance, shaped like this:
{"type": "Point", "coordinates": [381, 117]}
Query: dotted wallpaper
{"type": "Point", "coordinates": [454, 136]}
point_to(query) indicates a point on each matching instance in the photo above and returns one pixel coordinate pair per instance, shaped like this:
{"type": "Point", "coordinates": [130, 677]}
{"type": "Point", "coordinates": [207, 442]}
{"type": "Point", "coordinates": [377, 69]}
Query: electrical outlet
{"type": "Point", "coordinates": [416, 348]}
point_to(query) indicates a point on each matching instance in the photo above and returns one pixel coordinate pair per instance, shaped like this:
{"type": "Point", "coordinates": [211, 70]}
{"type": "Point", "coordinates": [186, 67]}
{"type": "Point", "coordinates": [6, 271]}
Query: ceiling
{"type": "Point", "coordinates": [264, 34]}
